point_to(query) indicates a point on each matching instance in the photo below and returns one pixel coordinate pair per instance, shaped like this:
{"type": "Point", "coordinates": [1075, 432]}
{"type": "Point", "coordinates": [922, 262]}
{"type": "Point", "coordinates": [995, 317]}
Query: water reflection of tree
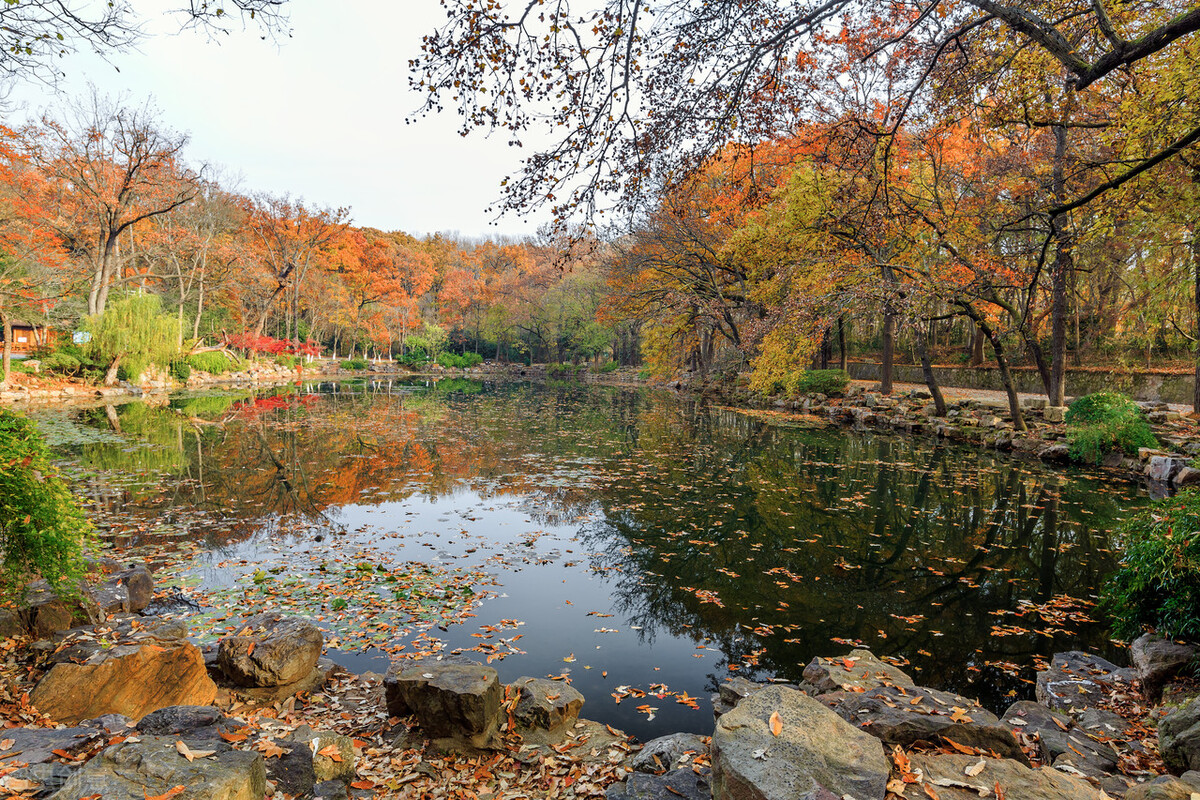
{"type": "Point", "coordinates": [943, 534]}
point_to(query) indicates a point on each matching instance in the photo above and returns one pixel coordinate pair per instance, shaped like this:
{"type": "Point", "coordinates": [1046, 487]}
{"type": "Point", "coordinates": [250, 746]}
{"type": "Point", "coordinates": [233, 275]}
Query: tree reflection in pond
{"type": "Point", "coordinates": [695, 526]}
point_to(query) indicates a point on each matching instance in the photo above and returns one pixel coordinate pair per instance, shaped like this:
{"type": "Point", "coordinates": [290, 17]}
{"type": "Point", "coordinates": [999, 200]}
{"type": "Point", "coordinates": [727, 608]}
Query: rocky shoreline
{"type": "Point", "coordinates": [105, 698]}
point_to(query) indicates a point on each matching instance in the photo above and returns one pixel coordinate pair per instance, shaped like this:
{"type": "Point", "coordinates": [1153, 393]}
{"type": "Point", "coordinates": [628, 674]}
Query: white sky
{"type": "Point", "coordinates": [320, 115]}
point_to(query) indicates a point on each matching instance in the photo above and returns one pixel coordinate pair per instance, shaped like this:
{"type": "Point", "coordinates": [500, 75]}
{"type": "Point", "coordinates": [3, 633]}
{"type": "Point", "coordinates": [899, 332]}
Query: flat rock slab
{"type": "Point", "coordinates": [1079, 681]}
{"type": "Point", "coordinates": [37, 745]}
{"type": "Point", "coordinates": [816, 755]}
{"type": "Point", "coordinates": [450, 698]}
{"type": "Point", "coordinates": [546, 704]}
{"type": "Point", "coordinates": [1059, 735]}
{"type": "Point", "coordinates": [947, 776]}
{"type": "Point", "coordinates": [203, 722]}
{"type": "Point", "coordinates": [133, 680]}
{"type": "Point", "coordinates": [270, 650]}
{"type": "Point", "coordinates": [899, 716]}
{"type": "Point", "coordinates": [683, 783]}
{"type": "Point", "coordinates": [153, 766]}
{"type": "Point", "coordinates": [859, 670]}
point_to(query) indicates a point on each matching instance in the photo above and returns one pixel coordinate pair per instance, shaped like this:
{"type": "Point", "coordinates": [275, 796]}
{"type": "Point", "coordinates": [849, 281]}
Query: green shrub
{"type": "Point", "coordinates": [62, 363]}
{"type": "Point", "coordinates": [644, 374]}
{"type": "Point", "coordinates": [214, 362]}
{"type": "Point", "coordinates": [1157, 584]}
{"type": "Point", "coordinates": [1105, 421]}
{"type": "Point", "coordinates": [451, 360]}
{"type": "Point", "coordinates": [42, 529]}
{"type": "Point", "coordinates": [355, 364]}
{"type": "Point", "coordinates": [181, 370]}
{"type": "Point", "coordinates": [823, 381]}
{"type": "Point", "coordinates": [288, 360]}
{"type": "Point", "coordinates": [607, 367]}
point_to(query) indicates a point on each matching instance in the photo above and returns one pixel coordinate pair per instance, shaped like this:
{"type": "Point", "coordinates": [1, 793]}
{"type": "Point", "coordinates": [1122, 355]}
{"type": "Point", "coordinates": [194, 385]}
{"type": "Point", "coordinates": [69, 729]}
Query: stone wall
{"type": "Point", "coordinates": [1153, 386]}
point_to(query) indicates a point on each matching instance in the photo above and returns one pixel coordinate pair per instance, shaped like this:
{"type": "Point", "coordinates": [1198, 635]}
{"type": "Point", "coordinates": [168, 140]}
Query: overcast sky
{"type": "Point", "coordinates": [318, 115]}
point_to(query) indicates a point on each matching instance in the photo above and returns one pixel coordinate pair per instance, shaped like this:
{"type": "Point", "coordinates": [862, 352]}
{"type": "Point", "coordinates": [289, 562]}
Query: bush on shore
{"type": "Point", "coordinates": [1100, 423]}
{"type": "Point", "coordinates": [1157, 585]}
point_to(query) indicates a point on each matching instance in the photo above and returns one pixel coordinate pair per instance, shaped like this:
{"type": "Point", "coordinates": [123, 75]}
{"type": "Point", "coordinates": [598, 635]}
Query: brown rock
{"type": "Point", "coordinates": [276, 651]}
{"type": "Point", "coordinates": [129, 679]}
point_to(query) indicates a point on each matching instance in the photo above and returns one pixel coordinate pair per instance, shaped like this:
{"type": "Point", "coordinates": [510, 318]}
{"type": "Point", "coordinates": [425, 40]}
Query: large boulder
{"type": "Point", "coordinates": [129, 590]}
{"type": "Point", "coordinates": [332, 753]}
{"type": "Point", "coordinates": [545, 704]}
{"type": "Point", "coordinates": [271, 650]}
{"type": "Point", "coordinates": [859, 670]}
{"type": "Point", "coordinates": [200, 722]}
{"type": "Point", "coordinates": [1157, 659]}
{"type": "Point", "coordinates": [1167, 787]}
{"type": "Point", "coordinates": [452, 698]}
{"type": "Point", "coordinates": [138, 670]}
{"type": "Point", "coordinates": [947, 776]}
{"type": "Point", "coordinates": [1179, 738]}
{"type": "Point", "coordinates": [153, 765]}
{"type": "Point", "coordinates": [1076, 682]}
{"type": "Point", "coordinates": [903, 717]}
{"type": "Point", "coordinates": [816, 754]}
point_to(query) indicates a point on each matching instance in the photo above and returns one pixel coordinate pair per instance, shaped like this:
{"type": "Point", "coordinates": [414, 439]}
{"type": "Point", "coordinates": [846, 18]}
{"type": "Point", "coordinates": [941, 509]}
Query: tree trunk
{"type": "Point", "coordinates": [199, 306]}
{"type": "Point", "coordinates": [6, 362]}
{"type": "Point", "coordinates": [939, 402]}
{"type": "Point", "coordinates": [110, 377]}
{"type": "Point", "coordinates": [1014, 402]}
{"type": "Point", "coordinates": [889, 349]}
{"type": "Point", "coordinates": [977, 340]}
{"type": "Point", "coordinates": [1059, 275]}
{"type": "Point", "coordinates": [1196, 273]}
{"type": "Point", "coordinates": [842, 342]}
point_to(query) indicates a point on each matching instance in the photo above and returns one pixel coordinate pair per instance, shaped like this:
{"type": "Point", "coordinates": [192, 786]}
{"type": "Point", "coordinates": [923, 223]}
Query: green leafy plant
{"type": "Point", "coordinates": [212, 361]}
{"type": "Point", "coordinates": [564, 371]}
{"type": "Point", "coordinates": [1157, 584]}
{"type": "Point", "coordinates": [42, 529]}
{"type": "Point", "coordinates": [823, 381]}
{"type": "Point", "coordinates": [357, 364]}
{"type": "Point", "coordinates": [466, 360]}
{"type": "Point", "coordinates": [1100, 423]}
{"type": "Point", "coordinates": [607, 367]}
{"type": "Point", "coordinates": [181, 370]}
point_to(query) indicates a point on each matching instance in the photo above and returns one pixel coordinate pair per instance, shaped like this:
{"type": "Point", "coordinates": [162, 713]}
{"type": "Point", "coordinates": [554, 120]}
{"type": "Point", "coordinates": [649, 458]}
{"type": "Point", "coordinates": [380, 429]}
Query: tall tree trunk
{"type": "Point", "coordinates": [842, 342]}
{"type": "Point", "coordinates": [939, 402]}
{"type": "Point", "coordinates": [1059, 276]}
{"type": "Point", "coordinates": [6, 362]}
{"type": "Point", "coordinates": [889, 349]}
{"type": "Point", "coordinates": [1196, 273]}
{"type": "Point", "coordinates": [977, 340]}
{"type": "Point", "coordinates": [1014, 402]}
{"type": "Point", "coordinates": [199, 306]}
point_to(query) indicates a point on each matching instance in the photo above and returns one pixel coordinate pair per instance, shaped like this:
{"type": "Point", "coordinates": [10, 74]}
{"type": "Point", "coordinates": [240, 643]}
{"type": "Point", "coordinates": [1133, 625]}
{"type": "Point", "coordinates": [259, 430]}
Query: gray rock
{"type": "Point", "coordinates": [1167, 787]}
{"type": "Point", "coordinates": [332, 753]}
{"type": "Point", "coordinates": [733, 690]}
{"type": "Point", "coordinates": [947, 773]}
{"type": "Point", "coordinates": [451, 698]}
{"type": "Point", "coordinates": [10, 624]}
{"type": "Point", "coordinates": [1157, 659]}
{"type": "Point", "coordinates": [664, 754]}
{"type": "Point", "coordinates": [1163, 468]}
{"type": "Point", "coordinates": [292, 773]}
{"type": "Point", "coordinates": [1054, 413]}
{"type": "Point", "coordinates": [277, 650]}
{"type": "Point", "coordinates": [546, 704]}
{"type": "Point", "coordinates": [920, 714]}
{"type": "Point", "coordinates": [152, 766]}
{"type": "Point", "coordinates": [196, 721]}
{"type": "Point", "coordinates": [51, 776]}
{"type": "Point", "coordinates": [861, 669]}
{"type": "Point", "coordinates": [1059, 453]}
{"type": "Point", "coordinates": [330, 790]}
{"type": "Point", "coordinates": [45, 614]}
{"type": "Point", "coordinates": [1059, 735]}
{"type": "Point", "coordinates": [816, 755]}
{"type": "Point", "coordinates": [37, 745]}
{"type": "Point", "coordinates": [1078, 681]}
{"type": "Point", "coordinates": [1179, 738]}
{"type": "Point", "coordinates": [1187, 476]}
{"type": "Point", "coordinates": [681, 783]}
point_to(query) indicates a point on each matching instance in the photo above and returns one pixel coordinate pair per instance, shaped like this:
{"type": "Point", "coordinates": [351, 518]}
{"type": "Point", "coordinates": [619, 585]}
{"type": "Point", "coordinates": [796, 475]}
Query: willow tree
{"type": "Point", "coordinates": [134, 332]}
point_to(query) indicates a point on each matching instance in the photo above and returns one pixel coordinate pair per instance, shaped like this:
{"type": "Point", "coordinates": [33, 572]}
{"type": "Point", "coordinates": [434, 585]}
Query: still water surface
{"type": "Point", "coordinates": [628, 540]}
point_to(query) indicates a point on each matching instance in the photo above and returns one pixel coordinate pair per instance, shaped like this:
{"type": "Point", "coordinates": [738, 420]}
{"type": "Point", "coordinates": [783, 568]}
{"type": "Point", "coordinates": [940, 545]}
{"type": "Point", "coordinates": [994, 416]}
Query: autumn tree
{"type": "Point", "coordinates": [108, 167]}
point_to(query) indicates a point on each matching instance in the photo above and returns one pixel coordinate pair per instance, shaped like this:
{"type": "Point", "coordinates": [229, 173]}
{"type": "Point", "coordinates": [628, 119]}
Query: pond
{"type": "Point", "coordinates": [641, 546]}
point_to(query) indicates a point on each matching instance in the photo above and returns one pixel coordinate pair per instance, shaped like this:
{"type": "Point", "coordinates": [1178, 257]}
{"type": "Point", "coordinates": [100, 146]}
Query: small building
{"type": "Point", "coordinates": [28, 337]}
